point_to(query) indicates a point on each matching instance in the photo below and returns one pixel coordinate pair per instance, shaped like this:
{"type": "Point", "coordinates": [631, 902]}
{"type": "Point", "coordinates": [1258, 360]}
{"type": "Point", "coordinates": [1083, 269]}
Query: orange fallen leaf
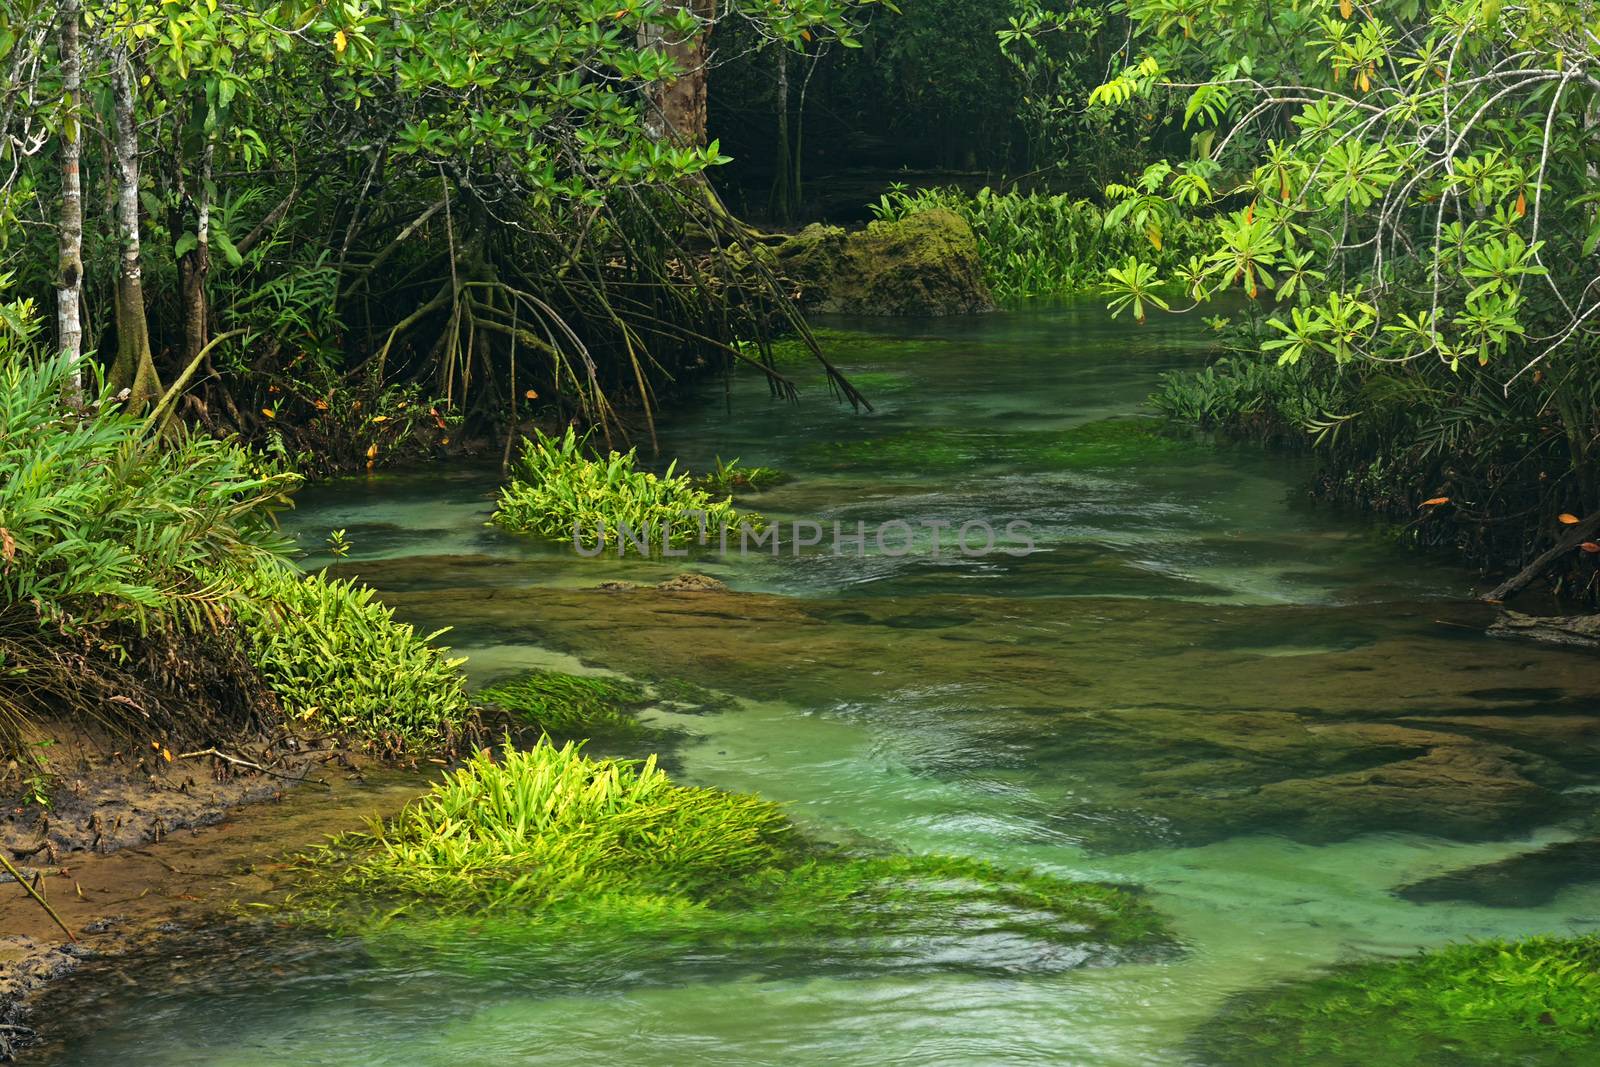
{"type": "Point", "coordinates": [1567, 518]}
{"type": "Point", "coordinates": [269, 413]}
{"type": "Point", "coordinates": [1590, 547]}
{"type": "Point", "coordinates": [321, 405]}
{"type": "Point", "coordinates": [1435, 502]}
{"type": "Point", "coordinates": [532, 394]}
{"type": "Point", "coordinates": [372, 450]}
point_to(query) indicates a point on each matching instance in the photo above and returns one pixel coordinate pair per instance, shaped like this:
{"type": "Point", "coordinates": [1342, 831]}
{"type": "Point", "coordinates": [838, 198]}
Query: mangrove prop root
{"type": "Point", "coordinates": [36, 895]}
{"type": "Point", "coordinates": [237, 762]}
{"type": "Point", "coordinates": [1576, 535]}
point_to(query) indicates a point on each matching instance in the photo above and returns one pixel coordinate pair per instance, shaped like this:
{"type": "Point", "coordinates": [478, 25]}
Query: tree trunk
{"type": "Point", "coordinates": [195, 264]}
{"type": "Point", "coordinates": [783, 177]}
{"type": "Point", "coordinates": [678, 107]}
{"type": "Point", "coordinates": [69, 283]}
{"type": "Point", "coordinates": [134, 369]}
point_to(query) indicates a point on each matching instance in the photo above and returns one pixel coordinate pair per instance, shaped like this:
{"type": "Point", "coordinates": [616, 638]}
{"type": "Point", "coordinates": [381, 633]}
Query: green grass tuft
{"type": "Point", "coordinates": [1531, 1002]}
{"type": "Point", "coordinates": [523, 828]}
{"type": "Point", "coordinates": [560, 492]}
{"type": "Point", "coordinates": [550, 845]}
{"type": "Point", "coordinates": [335, 655]}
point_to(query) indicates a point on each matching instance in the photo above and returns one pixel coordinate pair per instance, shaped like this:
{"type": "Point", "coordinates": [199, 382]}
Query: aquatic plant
{"type": "Point", "coordinates": [517, 828]}
{"type": "Point", "coordinates": [732, 476]}
{"type": "Point", "coordinates": [569, 703]}
{"type": "Point", "coordinates": [336, 656]}
{"type": "Point", "coordinates": [1535, 1001]}
{"type": "Point", "coordinates": [557, 490]}
{"type": "Point", "coordinates": [549, 844]}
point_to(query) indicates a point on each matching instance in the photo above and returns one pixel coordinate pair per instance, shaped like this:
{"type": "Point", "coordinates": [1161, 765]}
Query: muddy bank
{"type": "Point", "coordinates": [215, 852]}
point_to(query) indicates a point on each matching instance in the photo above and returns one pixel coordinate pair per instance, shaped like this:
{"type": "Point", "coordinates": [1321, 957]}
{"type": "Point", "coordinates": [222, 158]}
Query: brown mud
{"type": "Point", "coordinates": [188, 851]}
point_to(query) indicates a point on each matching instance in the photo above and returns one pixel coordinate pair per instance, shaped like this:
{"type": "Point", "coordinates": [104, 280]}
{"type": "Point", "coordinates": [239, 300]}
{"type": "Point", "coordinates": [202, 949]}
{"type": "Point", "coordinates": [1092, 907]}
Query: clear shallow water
{"type": "Point", "coordinates": [1199, 683]}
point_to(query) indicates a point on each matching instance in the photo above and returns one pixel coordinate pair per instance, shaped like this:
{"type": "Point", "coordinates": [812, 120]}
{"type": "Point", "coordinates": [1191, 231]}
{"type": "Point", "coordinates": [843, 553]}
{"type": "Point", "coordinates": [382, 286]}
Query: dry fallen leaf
{"type": "Point", "coordinates": [1567, 518]}
{"type": "Point", "coordinates": [1435, 502]}
{"type": "Point", "coordinates": [1590, 547]}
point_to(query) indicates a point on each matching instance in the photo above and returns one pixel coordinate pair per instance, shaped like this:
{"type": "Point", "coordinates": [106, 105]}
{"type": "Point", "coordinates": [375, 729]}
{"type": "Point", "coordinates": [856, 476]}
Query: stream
{"type": "Point", "coordinates": [1284, 726]}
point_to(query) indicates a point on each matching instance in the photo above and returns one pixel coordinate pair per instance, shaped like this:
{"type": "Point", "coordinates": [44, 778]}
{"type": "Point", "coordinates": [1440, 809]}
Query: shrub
{"type": "Point", "coordinates": [558, 491]}
{"type": "Point", "coordinates": [335, 655]}
{"type": "Point", "coordinates": [121, 556]}
{"type": "Point", "coordinates": [732, 476]}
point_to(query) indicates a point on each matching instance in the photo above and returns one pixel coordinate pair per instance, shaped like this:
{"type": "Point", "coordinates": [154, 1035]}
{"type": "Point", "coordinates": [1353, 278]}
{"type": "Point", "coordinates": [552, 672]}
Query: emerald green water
{"type": "Point", "coordinates": [1200, 683]}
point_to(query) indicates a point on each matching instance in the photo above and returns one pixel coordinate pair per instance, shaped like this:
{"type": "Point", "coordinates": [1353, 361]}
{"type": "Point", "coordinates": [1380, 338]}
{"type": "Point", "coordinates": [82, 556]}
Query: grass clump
{"type": "Point", "coordinates": [1527, 1002]}
{"type": "Point", "coordinates": [336, 656]}
{"type": "Point", "coordinates": [559, 703]}
{"type": "Point", "coordinates": [551, 846]}
{"type": "Point", "coordinates": [521, 828]}
{"type": "Point", "coordinates": [557, 490]}
{"type": "Point", "coordinates": [733, 476]}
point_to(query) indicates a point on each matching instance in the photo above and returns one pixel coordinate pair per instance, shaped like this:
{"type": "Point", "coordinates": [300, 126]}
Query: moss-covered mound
{"type": "Point", "coordinates": [1533, 1002]}
{"type": "Point", "coordinates": [566, 846]}
{"type": "Point", "coordinates": [924, 264]}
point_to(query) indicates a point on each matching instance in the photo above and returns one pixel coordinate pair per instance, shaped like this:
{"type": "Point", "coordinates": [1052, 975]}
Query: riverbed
{"type": "Point", "coordinates": [1270, 715]}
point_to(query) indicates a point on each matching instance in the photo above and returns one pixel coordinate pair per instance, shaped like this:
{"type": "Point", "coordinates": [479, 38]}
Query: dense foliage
{"type": "Point", "coordinates": [1409, 191]}
{"type": "Point", "coordinates": [1036, 244]}
{"type": "Point", "coordinates": [314, 204]}
{"type": "Point", "coordinates": [116, 547]}
{"type": "Point", "coordinates": [557, 490]}
{"type": "Point", "coordinates": [129, 558]}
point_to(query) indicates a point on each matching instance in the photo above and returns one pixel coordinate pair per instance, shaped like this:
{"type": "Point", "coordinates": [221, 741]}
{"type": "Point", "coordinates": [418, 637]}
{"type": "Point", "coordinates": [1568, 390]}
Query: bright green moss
{"type": "Point", "coordinates": [1532, 1002]}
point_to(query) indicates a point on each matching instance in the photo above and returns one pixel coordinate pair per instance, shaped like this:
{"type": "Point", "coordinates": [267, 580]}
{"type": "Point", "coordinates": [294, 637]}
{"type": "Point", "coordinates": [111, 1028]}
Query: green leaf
{"type": "Point", "coordinates": [224, 242]}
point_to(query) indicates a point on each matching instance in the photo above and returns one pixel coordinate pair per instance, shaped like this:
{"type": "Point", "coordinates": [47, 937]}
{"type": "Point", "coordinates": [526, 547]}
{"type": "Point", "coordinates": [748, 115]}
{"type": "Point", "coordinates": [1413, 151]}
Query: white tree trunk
{"type": "Point", "coordinates": [69, 283]}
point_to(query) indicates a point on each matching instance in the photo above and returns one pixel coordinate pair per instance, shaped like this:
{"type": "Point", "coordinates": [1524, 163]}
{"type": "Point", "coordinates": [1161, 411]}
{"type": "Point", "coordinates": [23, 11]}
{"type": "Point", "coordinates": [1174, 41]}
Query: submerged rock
{"type": "Point", "coordinates": [924, 264]}
{"type": "Point", "coordinates": [1526, 880]}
